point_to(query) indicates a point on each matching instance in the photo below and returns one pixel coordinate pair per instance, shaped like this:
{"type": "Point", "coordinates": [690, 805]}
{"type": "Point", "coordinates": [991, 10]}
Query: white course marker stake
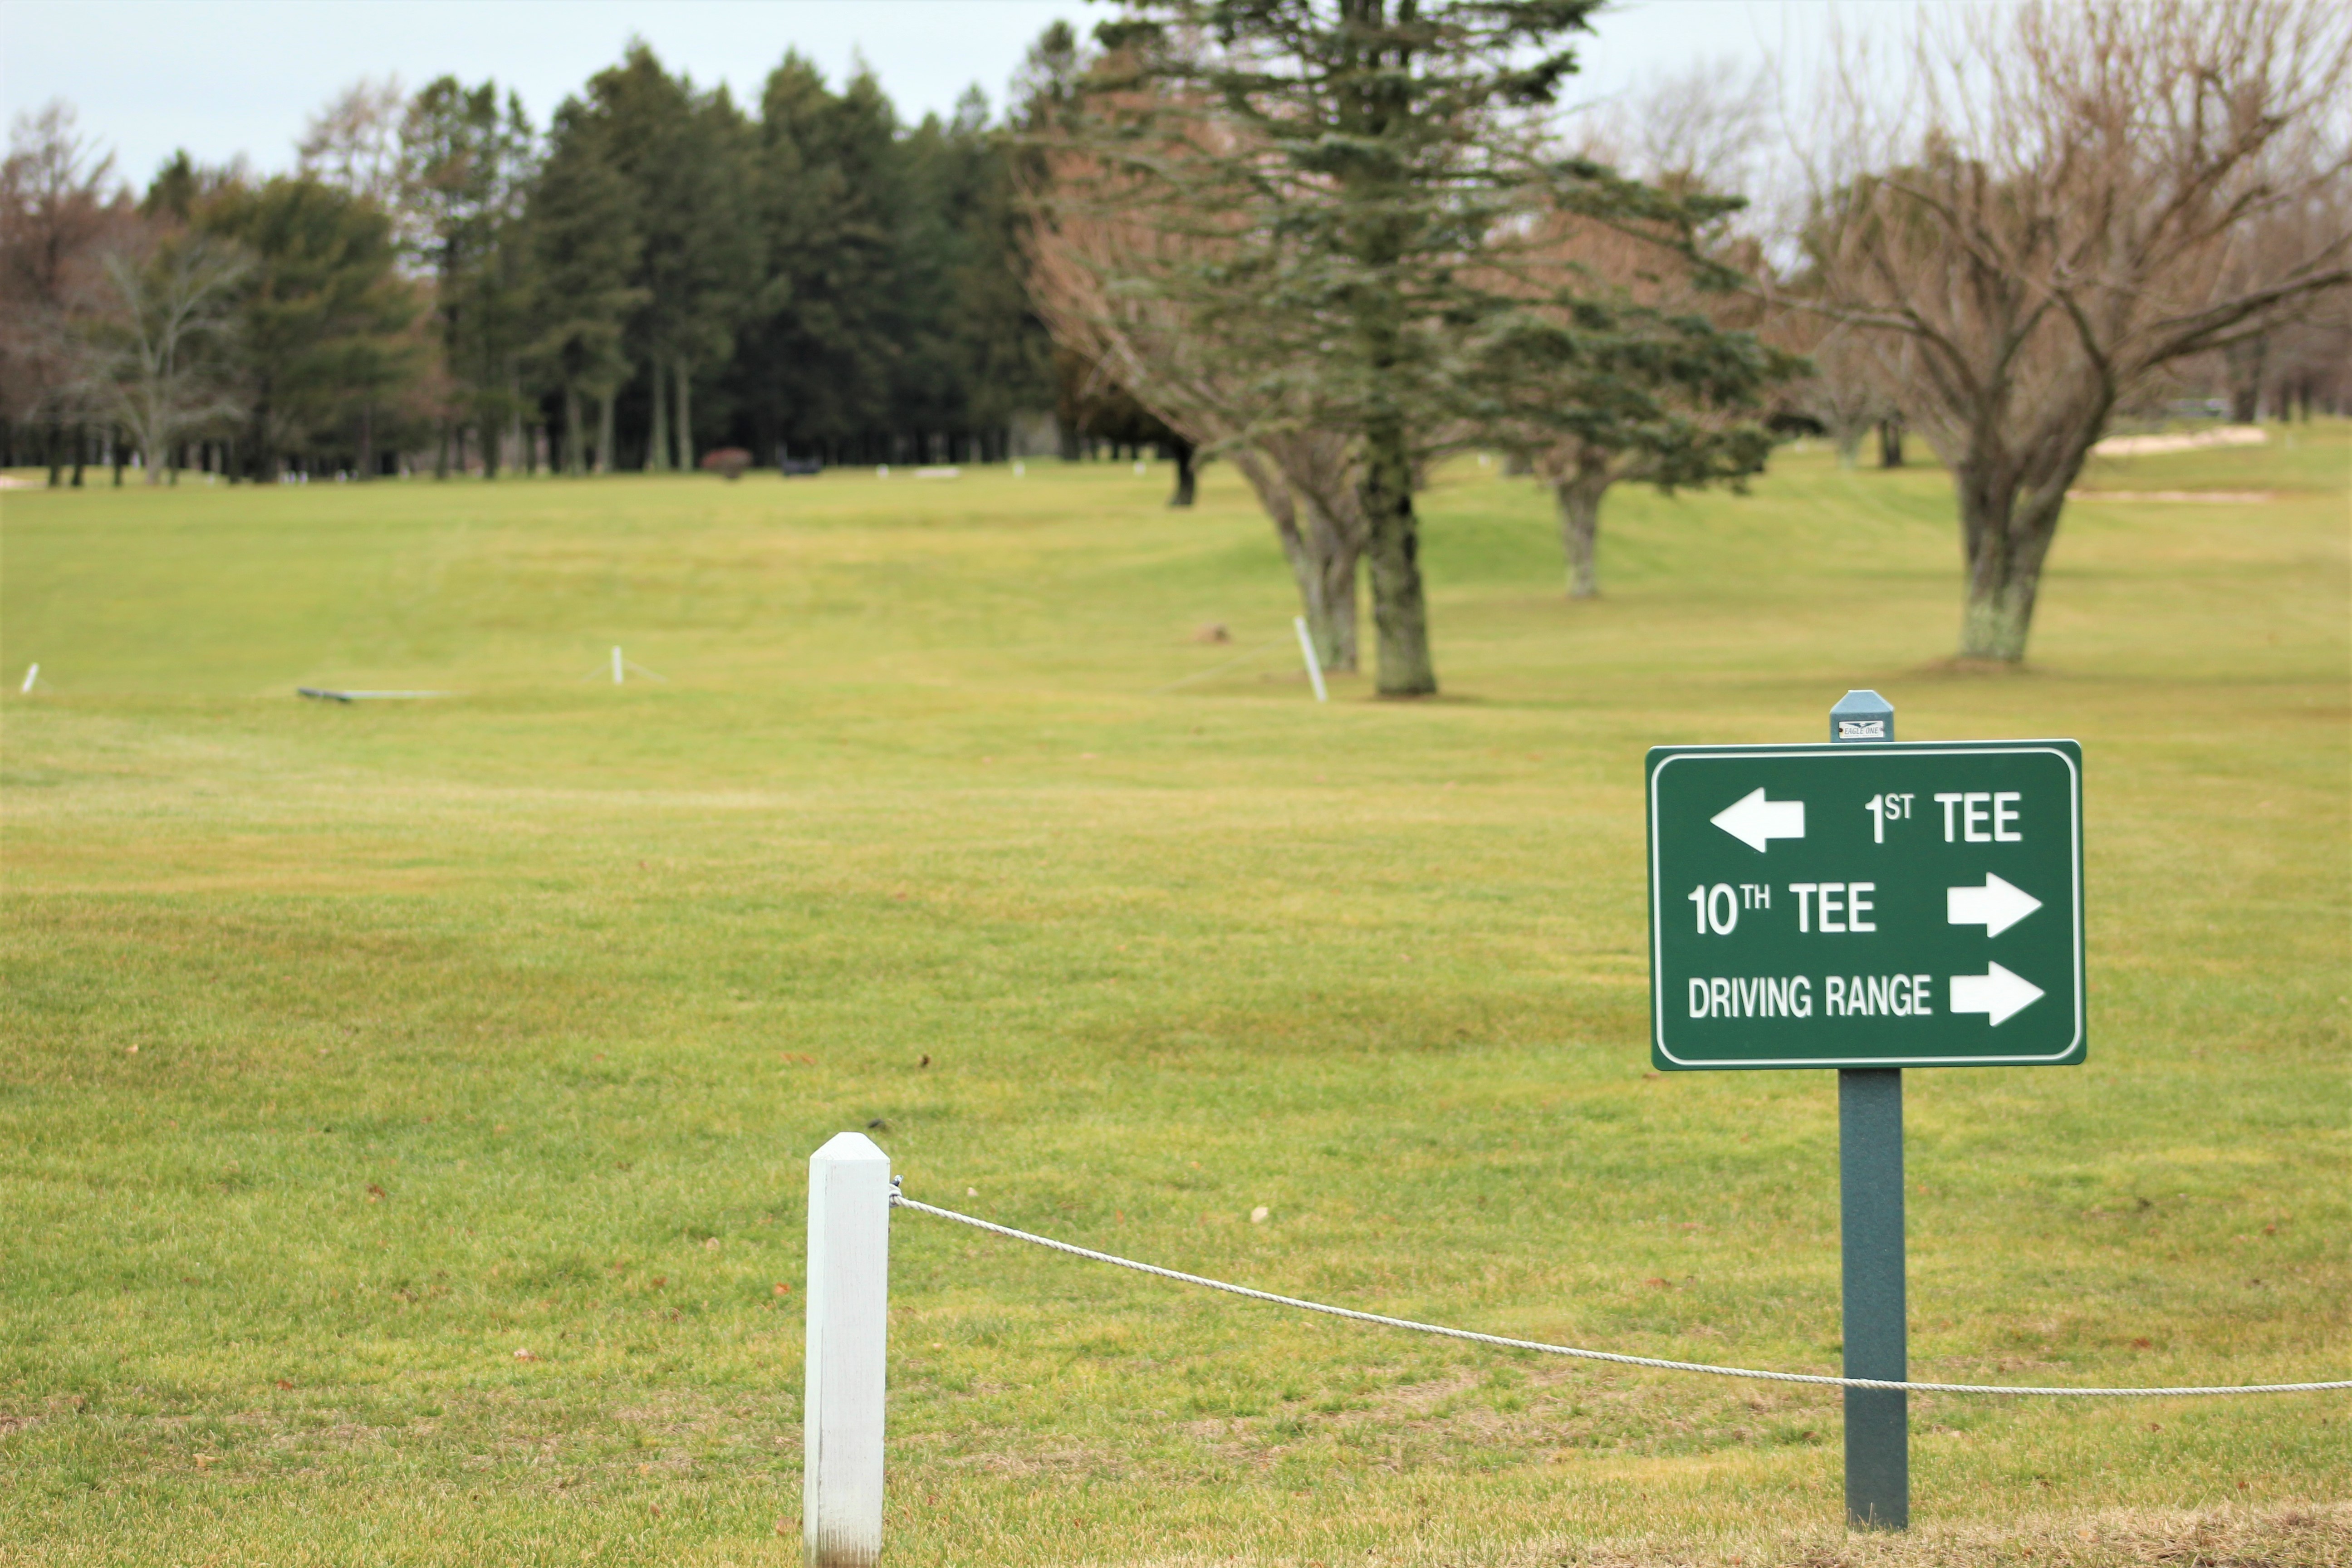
{"type": "Point", "coordinates": [1314, 666]}
{"type": "Point", "coordinates": [617, 666]}
{"type": "Point", "coordinates": [31, 676]}
{"type": "Point", "coordinates": [848, 1317]}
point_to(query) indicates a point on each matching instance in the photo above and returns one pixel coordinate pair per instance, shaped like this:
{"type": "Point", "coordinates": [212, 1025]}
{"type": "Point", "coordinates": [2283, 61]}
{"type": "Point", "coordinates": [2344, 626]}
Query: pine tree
{"type": "Point", "coordinates": [322, 329]}
{"type": "Point", "coordinates": [468, 161]}
{"type": "Point", "coordinates": [1363, 174]}
{"type": "Point", "coordinates": [684, 154]}
{"type": "Point", "coordinates": [817, 364]}
{"type": "Point", "coordinates": [584, 245]}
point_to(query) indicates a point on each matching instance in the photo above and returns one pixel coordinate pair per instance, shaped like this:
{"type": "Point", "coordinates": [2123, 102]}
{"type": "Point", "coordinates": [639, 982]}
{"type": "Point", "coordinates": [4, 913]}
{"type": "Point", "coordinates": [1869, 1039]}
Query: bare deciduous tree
{"type": "Point", "coordinates": [1663, 394]}
{"type": "Point", "coordinates": [2289, 356]}
{"type": "Point", "coordinates": [1846, 392]}
{"type": "Point", "coordinates": [147, 358]}
{"type": "Point", "coordinates": [1088, 264]}
{"type": "Point", "coordinates": [1703, 127]}
{"type": "Point", "coordinates": [56, 216]}
{"type": "Point", "coordinates": [2068, 204]}
{"type": "Point", "coordinates": [354, 141]}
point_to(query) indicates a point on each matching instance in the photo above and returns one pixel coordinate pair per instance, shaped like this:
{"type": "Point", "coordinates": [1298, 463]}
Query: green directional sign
{"type": "Point", "coordinates": [1866, 906]}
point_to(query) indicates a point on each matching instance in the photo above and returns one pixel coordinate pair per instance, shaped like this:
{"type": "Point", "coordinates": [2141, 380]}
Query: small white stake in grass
{"type": "Point", "coordinates": [617, 677]}
{"type": "Point", "coordinates": [30, 676]}
{"type": "Point", "coordinates": [1019, 469]}
{"type": "Point", "coordinates": [848, 1317]}
{"type": "Point", "coordinates": [1314, 665]}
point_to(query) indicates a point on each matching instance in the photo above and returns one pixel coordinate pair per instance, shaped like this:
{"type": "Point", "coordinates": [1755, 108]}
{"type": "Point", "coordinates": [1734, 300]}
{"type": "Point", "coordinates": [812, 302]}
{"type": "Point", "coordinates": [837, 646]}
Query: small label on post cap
{"type": "Point", "coordinates": [1861, 730]}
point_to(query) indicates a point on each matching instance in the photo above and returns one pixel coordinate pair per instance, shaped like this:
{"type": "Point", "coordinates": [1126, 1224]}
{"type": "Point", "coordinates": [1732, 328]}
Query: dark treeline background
{"type": "Point", "coordinates": [656, 273]}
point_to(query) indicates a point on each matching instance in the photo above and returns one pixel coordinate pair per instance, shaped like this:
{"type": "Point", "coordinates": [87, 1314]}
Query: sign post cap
{"type": "Point", "coordinates": [1862, 716]}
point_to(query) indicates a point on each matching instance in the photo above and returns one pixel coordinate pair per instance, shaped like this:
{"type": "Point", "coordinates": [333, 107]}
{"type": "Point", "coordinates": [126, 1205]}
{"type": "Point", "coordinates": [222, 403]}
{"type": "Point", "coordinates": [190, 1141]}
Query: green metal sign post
{"type": "Point", "coordinates": [1868, 906]}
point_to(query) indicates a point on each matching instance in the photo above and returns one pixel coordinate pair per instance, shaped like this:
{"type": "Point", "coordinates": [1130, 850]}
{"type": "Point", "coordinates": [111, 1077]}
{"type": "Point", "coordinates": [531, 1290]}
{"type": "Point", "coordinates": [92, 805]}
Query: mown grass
{"type": "Point", "coordinates": [349, 1050]}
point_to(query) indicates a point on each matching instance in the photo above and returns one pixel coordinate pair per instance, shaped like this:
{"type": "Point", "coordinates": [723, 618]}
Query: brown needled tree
{"type": "Point", "coordinates": [1108, 283]}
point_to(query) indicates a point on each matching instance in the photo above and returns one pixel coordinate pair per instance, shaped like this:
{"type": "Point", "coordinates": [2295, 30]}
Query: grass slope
{"type": "Point", "coordinates": [349, 1050]}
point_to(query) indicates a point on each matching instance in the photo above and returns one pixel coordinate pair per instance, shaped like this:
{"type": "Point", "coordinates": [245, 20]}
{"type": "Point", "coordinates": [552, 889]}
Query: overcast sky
{"type": "Point", "coordinates": [225, 77]}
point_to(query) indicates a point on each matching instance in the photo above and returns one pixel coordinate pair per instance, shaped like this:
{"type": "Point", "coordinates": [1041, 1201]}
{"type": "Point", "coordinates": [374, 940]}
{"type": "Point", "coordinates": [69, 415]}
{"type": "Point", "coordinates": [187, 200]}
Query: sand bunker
{"type": "Point", "coordinates": [2146, 446]}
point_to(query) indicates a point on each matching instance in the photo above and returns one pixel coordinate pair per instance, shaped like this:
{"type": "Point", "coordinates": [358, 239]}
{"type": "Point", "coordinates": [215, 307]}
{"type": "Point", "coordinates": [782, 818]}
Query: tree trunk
{"type": "Point", "coordinates": [81, 453]}
{"type": "Point", "coordinates": [685, 381]}
{"type": "Point", "coordinates": [1890, 442]}
{"type": "Point", "coordinates": [569, 461]}
{"type": "Point", "coordinates": [1336, 648]}
{"type": "Point", "coordinates": [2005, 531]}
{"type": "Point", "coordinates": [1578, 499]}
{"type": "Point", "coordinates": [367, 442]}
{"type": "Point", "coordinates": [1186, 480]}
{"type": "Point", "coordinates": [1327, 582]}
{"type": "Point", "coordinates": [605, 434]}
{"type": "Point", "coordinates": [2245, 361]}
{"type": "Point", "coordinates": [1326, 598]}
{"type": "Point", "coordinates": [1400, 610]}
{"type": "Point", "coordinates": [522, 435]}
{"type": "Point", "coordinates": [658, 448]}
{"type": "Point", "coordinates": [1322, 556]}
{"type": "Point", "coordinates": [57, 445]}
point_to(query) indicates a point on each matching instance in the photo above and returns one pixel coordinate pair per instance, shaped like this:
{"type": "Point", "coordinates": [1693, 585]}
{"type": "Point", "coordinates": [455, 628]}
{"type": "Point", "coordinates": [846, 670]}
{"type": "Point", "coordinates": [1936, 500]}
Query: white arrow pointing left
{"type": "Point", "coordinates": [1756, 822]}
{"type": "Point", "coordinates": [1998, 993]}
{"type": "Point", "coordinates": [1996, 906]}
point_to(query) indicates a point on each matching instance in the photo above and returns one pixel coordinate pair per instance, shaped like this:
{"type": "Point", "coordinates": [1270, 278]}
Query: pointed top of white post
{"type": "Point", "coordinates": [851, 1146]}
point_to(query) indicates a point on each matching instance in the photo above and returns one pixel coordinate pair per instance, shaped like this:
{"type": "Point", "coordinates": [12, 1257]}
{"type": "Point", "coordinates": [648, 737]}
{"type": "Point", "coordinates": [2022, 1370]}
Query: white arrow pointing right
{"type": "Point", "coordinates": [1996, 906]}
{"type": "Point", "coordinates": [1998, 993]}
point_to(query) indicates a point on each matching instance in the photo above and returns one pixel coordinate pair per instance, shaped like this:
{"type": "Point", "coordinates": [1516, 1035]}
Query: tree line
{"type": "Point", "coordinates": [655, 273]}
{"type": "Point", "coordinates": [1330, 242]}
{"type": "Point", "coordinates": [1338, 242]}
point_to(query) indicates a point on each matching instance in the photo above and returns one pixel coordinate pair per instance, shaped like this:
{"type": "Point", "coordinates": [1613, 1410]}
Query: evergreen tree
{"type": "Point", "coordinates": [322, 328]}
{"type": "Point", "coordinates": [1364, 173]}
{"type": "Point", "coordinates": [685, 155]}
{"type": "Point", "coordinates": [584, 242]}
{"type": "Point", "coordinates": [994, 349]}
{"type": "Point", "coordinates": [818, 360]}
{"type": "Point", "coordinates": [467, 165]}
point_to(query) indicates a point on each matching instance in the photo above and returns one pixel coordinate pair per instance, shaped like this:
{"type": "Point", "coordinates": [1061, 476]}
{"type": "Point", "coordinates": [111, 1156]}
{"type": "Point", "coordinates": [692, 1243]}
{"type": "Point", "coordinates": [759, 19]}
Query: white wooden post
{"type": "Point", "coordinates": [616, 667]}
{"type": "Point", "coordinates": [1306, 646]}
{"type": "Point", "coordinates": [849, 1319]}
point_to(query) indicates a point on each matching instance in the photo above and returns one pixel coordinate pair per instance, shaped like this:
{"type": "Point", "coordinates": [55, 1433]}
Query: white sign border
{"type": "Point", "coordinates": [1979, 748]}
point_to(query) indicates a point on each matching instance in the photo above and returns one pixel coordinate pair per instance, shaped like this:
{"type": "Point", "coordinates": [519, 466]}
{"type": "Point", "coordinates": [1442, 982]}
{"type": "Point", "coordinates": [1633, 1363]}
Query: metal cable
{"type": "Point", "coordinates": [899, 1200]}
{"type": "Point", "coordinates": [1214, 668]}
